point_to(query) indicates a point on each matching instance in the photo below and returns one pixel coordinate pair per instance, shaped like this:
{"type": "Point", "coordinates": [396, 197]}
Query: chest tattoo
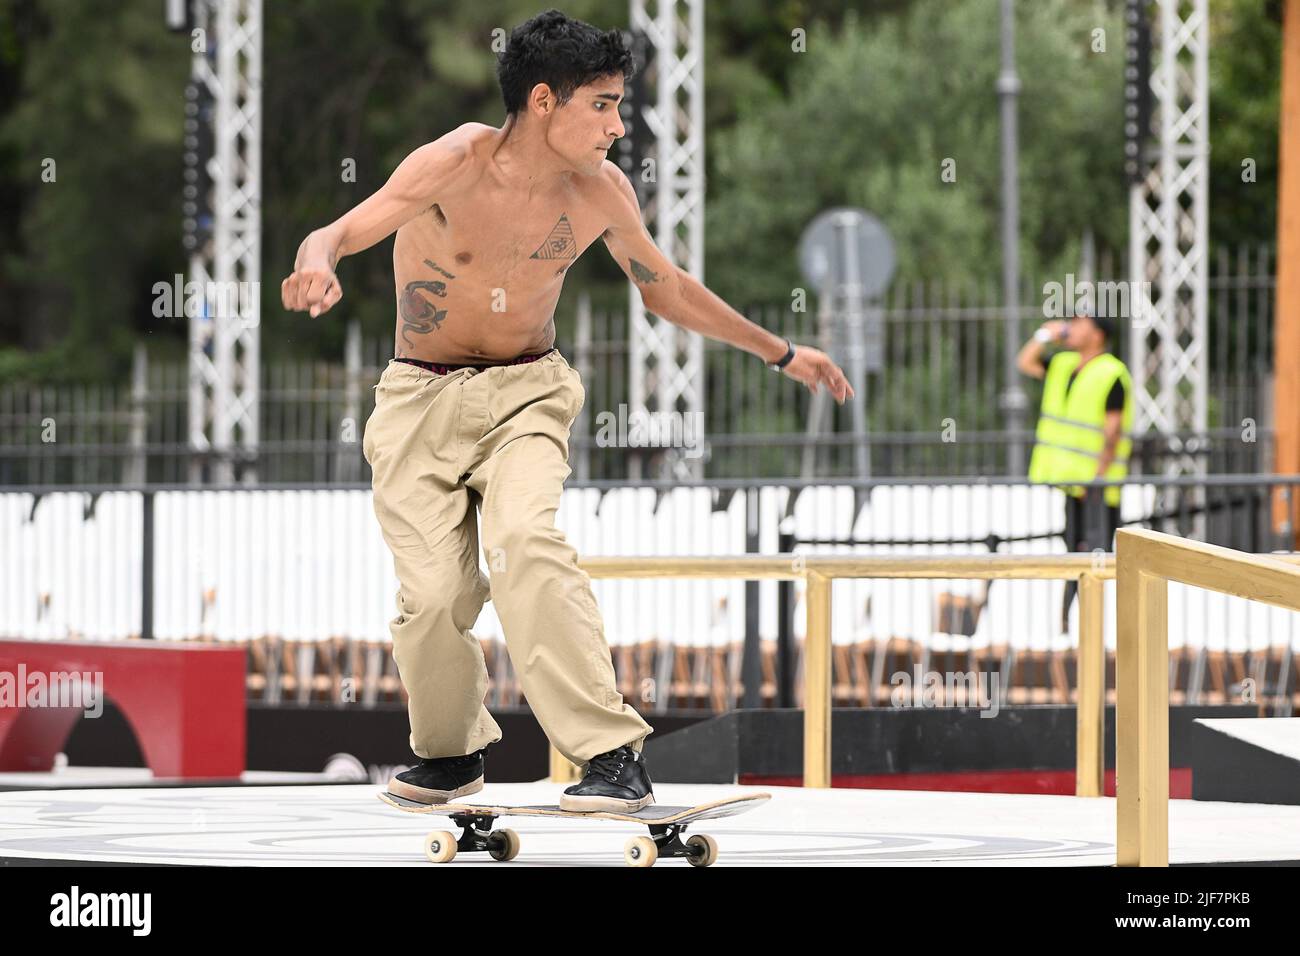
{"type": "Point", "coordinates": [560, 244]}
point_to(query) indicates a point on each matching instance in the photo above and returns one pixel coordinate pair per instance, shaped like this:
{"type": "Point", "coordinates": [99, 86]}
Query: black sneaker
{"type": "Point", "coordinates": [440, 779]}
{"type": "Point", "coordinates": [617, 781]}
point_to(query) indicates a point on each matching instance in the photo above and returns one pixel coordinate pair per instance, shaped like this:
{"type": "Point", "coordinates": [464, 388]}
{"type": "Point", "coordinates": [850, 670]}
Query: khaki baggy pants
{"type": "Point", "coordinates": [440, 447]}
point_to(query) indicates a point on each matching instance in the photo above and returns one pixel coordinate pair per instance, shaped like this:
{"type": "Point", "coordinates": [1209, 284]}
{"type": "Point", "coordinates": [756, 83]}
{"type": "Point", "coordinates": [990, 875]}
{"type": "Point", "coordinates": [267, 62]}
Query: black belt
{"type": "Point", "coordinates": [444, 369]}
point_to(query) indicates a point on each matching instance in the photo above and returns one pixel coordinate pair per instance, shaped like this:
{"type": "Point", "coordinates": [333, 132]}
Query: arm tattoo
{"type": "Point", "coordinates": [560, 244]}
{"type": "Point", "coordinates": [641, 273]}
{"type": "Point", "coordinates": [419, 315]}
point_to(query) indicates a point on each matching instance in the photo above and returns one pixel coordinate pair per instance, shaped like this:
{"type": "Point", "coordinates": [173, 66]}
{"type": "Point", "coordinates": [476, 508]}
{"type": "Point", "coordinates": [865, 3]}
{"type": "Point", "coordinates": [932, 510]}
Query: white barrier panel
{"type": "Point", "coordinates": [302, 565]}
{"type": "Point", "coordinates": [309, 565]}
{"type": "Point", "coordinates": [64, 574]}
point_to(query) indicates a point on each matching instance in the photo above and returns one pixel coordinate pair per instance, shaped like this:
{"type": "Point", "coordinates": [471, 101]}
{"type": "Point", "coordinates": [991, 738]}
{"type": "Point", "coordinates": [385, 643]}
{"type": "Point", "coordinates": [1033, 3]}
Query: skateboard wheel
{"type": "Point", "coordinates": [440, 847]}
{"type": "Point", "coordinates": [640, 851]}
{"type": "Point", "coordinates": [707, 845]}
{"type": "Point", "coordinates": [503, 845]}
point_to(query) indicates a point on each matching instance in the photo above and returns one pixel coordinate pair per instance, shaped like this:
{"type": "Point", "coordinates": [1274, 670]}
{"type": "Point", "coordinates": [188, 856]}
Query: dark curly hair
{"type": "Point", "coordinates": [561, 52]}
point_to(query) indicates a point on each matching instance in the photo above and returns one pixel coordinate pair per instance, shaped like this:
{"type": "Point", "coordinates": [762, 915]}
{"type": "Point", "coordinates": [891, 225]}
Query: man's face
{"type": "Point", "coordinates": [1083, 333]}
{"type": "Point", "coordinates": [583, 129]}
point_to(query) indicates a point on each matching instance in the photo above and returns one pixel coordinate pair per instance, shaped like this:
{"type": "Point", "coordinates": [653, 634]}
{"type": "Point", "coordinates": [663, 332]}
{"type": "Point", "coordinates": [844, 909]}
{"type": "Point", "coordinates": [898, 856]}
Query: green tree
{"type": "Point", "coordinates": [1245, 72]}
{"type": "Point", "coordinates": [877, 109]}
{"type": "Point", "coordinates": [882, 95]}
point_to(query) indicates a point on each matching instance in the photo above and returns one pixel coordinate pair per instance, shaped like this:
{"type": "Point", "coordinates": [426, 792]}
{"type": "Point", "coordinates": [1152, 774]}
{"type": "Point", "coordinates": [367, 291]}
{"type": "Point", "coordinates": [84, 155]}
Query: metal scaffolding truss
{"type": "Point", "coordinates": [666, 371]}
{"type": "Point", "coordinates": [224, 334]}
{"type": "Point", "coordinates": [1168, 234]}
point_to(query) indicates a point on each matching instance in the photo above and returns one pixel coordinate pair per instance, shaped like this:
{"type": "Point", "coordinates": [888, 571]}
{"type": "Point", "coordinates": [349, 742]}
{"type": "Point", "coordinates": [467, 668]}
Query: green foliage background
{"type": "Point", "coordinates": [884, 93]}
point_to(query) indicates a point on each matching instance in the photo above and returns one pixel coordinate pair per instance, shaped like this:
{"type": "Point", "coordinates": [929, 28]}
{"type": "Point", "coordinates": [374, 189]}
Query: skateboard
{"type": "Point", "coordinates": [666, 824]}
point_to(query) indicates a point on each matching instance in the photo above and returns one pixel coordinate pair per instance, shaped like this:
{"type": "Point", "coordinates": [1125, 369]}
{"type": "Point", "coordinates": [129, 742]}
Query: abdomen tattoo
{"type": "Point", "coordinates": [419, 314]}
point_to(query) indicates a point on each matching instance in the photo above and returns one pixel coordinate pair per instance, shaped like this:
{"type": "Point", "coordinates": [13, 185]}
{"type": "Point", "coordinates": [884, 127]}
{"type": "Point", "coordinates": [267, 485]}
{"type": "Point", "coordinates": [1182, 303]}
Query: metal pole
{"type": "Point", "coordinates": [1008, 87]}
{"type": "Point", "coordinates": [146, 569]}
{"type": "Point", "coordinates": [817, 699]}
{"type": "Point", "coordinates": [854, 315]}
{"type": "Point", "coordinates": [137, 471]}
{"type": "Point", "coordinates": [751, 661]}
{"type": "Point", "coordinates": [819, 404]}
{"type": "Point", "coordinates": [784, 630]}
{"type": "Point", "coordinates": [1286, 334]}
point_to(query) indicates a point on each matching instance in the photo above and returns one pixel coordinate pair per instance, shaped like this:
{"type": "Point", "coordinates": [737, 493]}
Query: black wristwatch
{"type": "Point", "coordinates": [782, 362]}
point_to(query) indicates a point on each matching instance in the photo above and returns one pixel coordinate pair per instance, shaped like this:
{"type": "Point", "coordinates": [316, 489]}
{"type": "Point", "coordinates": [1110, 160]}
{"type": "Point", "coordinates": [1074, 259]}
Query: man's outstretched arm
{"type": "Point", "coordinates": [683, 300]}
{"type": "Point", "coordinates": [414, 187]}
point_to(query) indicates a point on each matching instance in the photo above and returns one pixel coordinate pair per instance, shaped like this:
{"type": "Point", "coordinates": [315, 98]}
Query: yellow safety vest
{"type": "Point", "coordinates": [1071, 435]}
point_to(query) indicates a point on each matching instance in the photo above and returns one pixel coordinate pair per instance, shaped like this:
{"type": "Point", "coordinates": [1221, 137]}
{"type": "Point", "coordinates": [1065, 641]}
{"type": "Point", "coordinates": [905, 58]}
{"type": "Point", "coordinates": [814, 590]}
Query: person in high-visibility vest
{"type": "Point", "coordinates": [1085, 427]}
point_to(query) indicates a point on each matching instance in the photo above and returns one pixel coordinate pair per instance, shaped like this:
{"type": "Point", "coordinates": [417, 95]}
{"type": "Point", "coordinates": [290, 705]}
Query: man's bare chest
{"type": "Point", "coordinates": [494, 240]}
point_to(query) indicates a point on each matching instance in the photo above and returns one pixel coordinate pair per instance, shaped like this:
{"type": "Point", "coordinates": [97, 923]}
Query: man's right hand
{"type": "Point", "coordinates": [311, 289]}
{"type": "Point", "coordinates": [425, 174]}
{"type": "Point", "coordinates": [1056, 328]}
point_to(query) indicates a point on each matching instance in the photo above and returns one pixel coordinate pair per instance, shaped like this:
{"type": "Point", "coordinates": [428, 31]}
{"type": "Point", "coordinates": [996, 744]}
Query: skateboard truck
{"type": "Point", "coordinates": [477, 833]}
{"type": "Point", "coordinates": [668, 842]}
{"type": "Point", "coordinates": [478, 836]}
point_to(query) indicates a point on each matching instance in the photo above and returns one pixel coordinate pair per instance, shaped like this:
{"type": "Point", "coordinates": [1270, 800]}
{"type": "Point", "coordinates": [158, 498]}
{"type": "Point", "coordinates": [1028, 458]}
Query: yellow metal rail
{"type": "Point", "coordinates": [820, 571]}
{"type": "Point", "coordinates": [1146, 562]}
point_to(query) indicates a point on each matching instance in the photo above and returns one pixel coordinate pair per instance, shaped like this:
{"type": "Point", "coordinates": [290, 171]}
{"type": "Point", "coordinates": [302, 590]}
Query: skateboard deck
{"type": "Point", "coordinates": [666, 824]}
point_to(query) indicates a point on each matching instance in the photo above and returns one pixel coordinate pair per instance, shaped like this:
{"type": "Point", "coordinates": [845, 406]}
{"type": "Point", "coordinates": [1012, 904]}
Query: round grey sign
{"type": "Point", "coordinates": [845, 246]}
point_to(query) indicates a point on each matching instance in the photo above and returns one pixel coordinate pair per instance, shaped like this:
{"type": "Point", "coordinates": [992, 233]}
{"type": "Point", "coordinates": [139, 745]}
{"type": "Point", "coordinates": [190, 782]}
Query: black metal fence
{"type": "Point", "coordinates": [932, 409]}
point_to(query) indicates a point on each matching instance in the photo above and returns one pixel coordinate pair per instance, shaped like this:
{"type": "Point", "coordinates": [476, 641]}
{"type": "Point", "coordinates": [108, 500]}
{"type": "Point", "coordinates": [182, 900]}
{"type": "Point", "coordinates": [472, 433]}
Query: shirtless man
{"type": "Point", "coordinates": [475, 409]}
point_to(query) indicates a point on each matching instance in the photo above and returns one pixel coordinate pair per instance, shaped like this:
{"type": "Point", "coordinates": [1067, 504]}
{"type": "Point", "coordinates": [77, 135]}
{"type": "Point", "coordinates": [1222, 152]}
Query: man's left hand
{"type": "Point", "coordinates": [814, 368]}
